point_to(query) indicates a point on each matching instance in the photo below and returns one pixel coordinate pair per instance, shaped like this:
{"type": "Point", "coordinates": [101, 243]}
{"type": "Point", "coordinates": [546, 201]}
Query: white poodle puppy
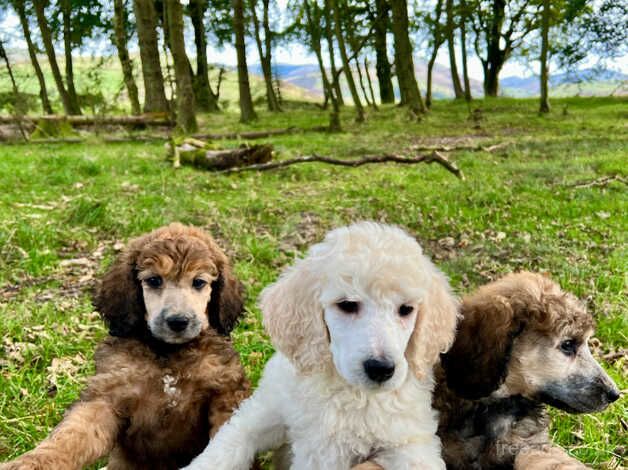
{"type": "Point", "coordinates": [357, 324]}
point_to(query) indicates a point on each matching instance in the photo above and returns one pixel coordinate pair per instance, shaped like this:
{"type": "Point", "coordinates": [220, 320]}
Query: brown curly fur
{"type": "Point", "coordinates": [152, 405]}
{"type": "Point", "coordinates": [481, 427]}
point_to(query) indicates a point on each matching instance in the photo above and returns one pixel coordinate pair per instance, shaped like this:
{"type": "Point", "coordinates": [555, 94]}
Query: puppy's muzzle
{"type": "Point", "coordinates": [379, 370]}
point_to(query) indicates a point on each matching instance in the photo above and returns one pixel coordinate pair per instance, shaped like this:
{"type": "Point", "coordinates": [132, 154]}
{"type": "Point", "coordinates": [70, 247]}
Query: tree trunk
{"type": "Point", "coordinates": [332, 56]}
{"type": "Point", "coordinates": [46, 37]}
{"type": "Point", "coordinates": [383, 68]}
{"type": "Point", "coordinates": [247, 112]}
{"type": "Point", "coordinates": [430, 68]}
{"type": "Point", "coordinates": [408, 86]}
{"type": "Point", "coordinates": [146, 19]}
{"type": "Point", "coordinates": [345, 63]}
{"type": "Point", "coordinates": [265, 56]}
{"type": "Point", "coordinates": [120, 35]}
{"type": "Point", "coordinates": [463, 48]}
{"type": "Point", "coordinates": [544, 105]}
{"type": "Point", "coordinates": [368, 79]}
{"type": "Point", "coordinates": [186, 117]}
{"type": "Point", "coordinates": [455, 78]}
{"type": "Point", "coordinates": [495, 56]}
{"type": "Point", "coordinates": [69, 66]}
{"type": "Point", "coordinates": [361, 81]}
{"type": "Point", "coordinates": [32, 52]}
{"type": "Point", "coordinates": [206, 99]}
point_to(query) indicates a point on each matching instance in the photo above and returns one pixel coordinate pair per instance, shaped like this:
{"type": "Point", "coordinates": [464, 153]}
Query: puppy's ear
{"type": "Point", "coordinates": [293, 317]}
{"type": "Point", "coordinates": [119, 298]}
{"type": "Point", "coordinates": [435, 326]}
{"type": "Point", "coordinates": [226, 304]}
{"type": "Point", "coordinates": [477, 363]}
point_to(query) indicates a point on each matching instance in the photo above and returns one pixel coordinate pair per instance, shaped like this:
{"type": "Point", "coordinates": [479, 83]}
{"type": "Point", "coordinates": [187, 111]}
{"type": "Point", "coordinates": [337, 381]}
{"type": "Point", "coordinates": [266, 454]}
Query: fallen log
{"type": "Point", "coordinates": [219, 160]}
{"type": "Point", "coordinates": [142, 120]}
{"type": "Point", "coordinates": [434, 157]}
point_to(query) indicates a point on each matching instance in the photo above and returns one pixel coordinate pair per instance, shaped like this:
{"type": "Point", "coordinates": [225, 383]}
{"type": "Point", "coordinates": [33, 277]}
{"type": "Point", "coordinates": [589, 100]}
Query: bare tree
{"type": "Point", "coordinates": [186, 114]}
{"type": "Point", "coordinates": [146, 20]}
{"type": "Point", "coordinates": [20, 8]}
{"type": "Point", "coordinates": [544, 106]}
{"type": "Point", "coordinates": [264, 49]}
{"type": "Point", "coordinates": [408, 86]}
{"type": "Point", "coordinates": [437, 39]}
{"type": "Point", "coordinates": [464, 13]}
{"type": "Point", "coordinates": [120, 39]}
{"type": "Point", "coordinates": [247, 112]}
{"type": "Point", "coordinates": [453, 67]}
{"type": "Point", "coordinates": [66, 9]}
{"type": "Point", "coordinates": [206, 98]}
{"type": "Point", "coordinates": [329, 35]}
{"type": "Point", "coordinates": [346, 64]}
{"type": "Point", "coordinates": [381, 23]}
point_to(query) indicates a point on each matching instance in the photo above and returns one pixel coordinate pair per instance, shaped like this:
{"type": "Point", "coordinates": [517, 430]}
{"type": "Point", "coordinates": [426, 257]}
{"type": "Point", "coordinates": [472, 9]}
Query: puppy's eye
{"type": "Point", "coordinates": [199, 283]}
{"type": "Point", "coordinates": [569, 347]}
{"type": "Point", "coordinates": [406, 310]}
{"type": "Point", "coordinates": [348, 306]}
{"type": "Point", "coordinates": [154, 281]}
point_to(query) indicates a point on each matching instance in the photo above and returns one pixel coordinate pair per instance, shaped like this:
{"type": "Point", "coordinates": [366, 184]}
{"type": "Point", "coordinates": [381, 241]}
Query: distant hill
{"type": "Point", "coordinates": [586, 82]}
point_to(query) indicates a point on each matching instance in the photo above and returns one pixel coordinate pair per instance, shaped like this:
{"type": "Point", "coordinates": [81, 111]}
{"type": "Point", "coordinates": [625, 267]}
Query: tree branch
{"type": "Point", "coordinates": [434, 157]}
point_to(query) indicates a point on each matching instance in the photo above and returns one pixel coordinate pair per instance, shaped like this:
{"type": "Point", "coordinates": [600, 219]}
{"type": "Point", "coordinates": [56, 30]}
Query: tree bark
{"type": "Point", "coordinates": [463, 48]}
{"type": "Point", "coordinates": [69, 66]}
{"type": "Point", "coordinates": [383, 68]}
{"type": "Point", "coordinates": [408, 86]}
{"type": "Point", "coordinates": [146, 19]}
{"type": "Point", "coordinates": [32, 52]}
{"type": "Point", "coordinates": [332, 56]}
{"type": "Point", "coordinates": [453, 67]}
{"type": "Point", "coordinates": [359, 111]}
{"type": "Point", "coordinates": [264, 50]}
{"type": "Point", "coordinates": [247, 112]}
{"type": "Point", "coordinates": [544, 106]}
{"type": "Point", "coordinates": [361, 81]}
{"type": "Point", "coordinates": [206, 99]}
{"type": "Point", "coordinates": [186, 115]}
{"type": "Point", "coordinates": [120, 35]}
{"type": "Point", "coordinates": [46, 37]}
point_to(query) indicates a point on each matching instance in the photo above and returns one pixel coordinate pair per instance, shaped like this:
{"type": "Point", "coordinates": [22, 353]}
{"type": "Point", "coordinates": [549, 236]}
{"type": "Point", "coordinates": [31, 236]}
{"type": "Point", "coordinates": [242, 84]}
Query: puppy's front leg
{"type": "Point", "coordinates": [87, 432]}
{"type": "Point", "coordinates": [254, 427]}
{"type": "Point", "coordinates": [412, 456]}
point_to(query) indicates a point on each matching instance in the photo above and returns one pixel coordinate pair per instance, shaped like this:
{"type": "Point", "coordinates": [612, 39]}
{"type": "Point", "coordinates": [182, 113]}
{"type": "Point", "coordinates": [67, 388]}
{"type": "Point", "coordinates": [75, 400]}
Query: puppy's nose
{"type": "Point", "coordinates": [379, 370]}
{"type": "Point", "coordinates": [177, 323]}
{"type": "Point", "coordinates": [612, 395]}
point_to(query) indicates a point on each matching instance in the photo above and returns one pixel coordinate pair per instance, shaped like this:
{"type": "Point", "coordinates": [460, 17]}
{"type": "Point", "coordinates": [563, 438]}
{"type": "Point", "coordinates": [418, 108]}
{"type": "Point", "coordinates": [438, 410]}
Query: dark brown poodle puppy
{"type": "Point", "coordinates": [167, 376]}
{"type": "Point", "coordinates": [521, 345]}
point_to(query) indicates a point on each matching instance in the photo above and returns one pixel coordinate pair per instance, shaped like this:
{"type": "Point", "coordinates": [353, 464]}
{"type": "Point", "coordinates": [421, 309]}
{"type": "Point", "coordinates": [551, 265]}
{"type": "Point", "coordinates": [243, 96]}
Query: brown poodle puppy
{"type": "Point", "coordinates": [522, 344]}
{"type": "Point", "coordinates": [167, 376]}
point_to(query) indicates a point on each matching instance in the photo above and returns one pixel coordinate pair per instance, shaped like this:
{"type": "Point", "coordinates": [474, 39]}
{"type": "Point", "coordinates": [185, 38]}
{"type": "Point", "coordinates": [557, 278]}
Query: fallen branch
{"type": "Point", "coordinates": [472, 148]}
{"type": "Point", "coordinates": [603, 181]}
{"type": "Point", "coordinates": [434, 157]}
{"type": "Point", "coordinates": [219, 160]}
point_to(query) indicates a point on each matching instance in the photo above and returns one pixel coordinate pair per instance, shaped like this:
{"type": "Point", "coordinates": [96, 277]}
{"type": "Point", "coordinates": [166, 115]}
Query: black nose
{"type": "Point", "coordinates": [379, 370]}
{"type": "Point", "coordinates": [612, 395]}
{"type": "Point", "coordinates": [177, 323]}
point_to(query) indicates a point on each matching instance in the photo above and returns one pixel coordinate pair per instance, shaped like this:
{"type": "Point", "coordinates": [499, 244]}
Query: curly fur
{"type": "Point", "coordinates": [332, 418]}
{"type": "Point", "coordinates": [152, 405]}
{"type": "Point", "coordinates": [505, 365]}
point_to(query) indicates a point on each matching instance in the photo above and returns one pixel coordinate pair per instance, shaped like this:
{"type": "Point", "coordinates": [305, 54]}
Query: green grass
{"type": "Point", "coordinates": [517, 209]}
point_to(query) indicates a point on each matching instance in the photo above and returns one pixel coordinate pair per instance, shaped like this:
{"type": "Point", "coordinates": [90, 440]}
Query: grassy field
{"type": "Point", "coordinates": [66, 210]}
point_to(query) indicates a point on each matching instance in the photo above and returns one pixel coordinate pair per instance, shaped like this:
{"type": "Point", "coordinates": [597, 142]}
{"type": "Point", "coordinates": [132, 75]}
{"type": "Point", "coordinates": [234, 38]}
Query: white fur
{"type": "Point", "coordinates": [315, 394]}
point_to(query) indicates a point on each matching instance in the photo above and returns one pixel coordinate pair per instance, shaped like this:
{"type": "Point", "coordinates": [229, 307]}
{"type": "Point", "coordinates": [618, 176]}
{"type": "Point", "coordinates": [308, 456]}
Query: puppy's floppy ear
{"type": "Point", "coordinates": [293, 317]}
{"type": "Point", "coordinates": [119, 298]}
{"type": "Point", "coordinates": [435, 325]}
{"type": "Point", "coordinates": [476, 365]}
{"type": "Point", "coordinates": [226, 304]}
